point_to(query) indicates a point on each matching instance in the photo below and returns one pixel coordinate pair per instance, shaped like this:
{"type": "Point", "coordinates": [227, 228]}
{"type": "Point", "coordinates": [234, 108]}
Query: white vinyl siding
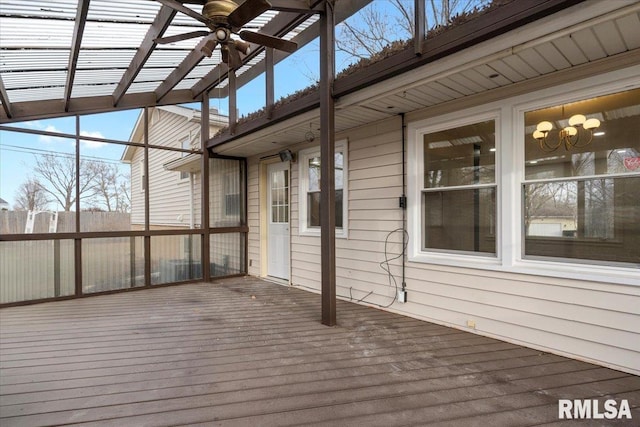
{"type": "Point", "coordinates": [169, 196]}
{"type": "Point", "coordinates": [562, 310]}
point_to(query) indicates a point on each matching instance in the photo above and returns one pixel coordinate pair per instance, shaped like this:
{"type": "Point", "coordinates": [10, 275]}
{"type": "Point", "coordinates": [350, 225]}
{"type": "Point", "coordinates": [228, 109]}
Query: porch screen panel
{"type": "Point", "coordinates": [227, 254]}
{"type": "Point", "coordinates": [226, 192]}
{"type": "Point", "coordinates": [36, 269]}
{"type": "Point", "coordinates": [176, 258]}
{"type": "Point", "coordinates": [581, 194]}
{"type": "Point", "coordinates": [112, 263]}
{"type": "Point", "coordinates": [174, 202]}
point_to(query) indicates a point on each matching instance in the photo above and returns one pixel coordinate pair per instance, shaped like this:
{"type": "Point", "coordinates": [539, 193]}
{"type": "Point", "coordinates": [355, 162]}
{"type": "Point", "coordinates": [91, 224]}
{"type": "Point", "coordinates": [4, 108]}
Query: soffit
{"type": "Point", "coordinates": [582, 37]}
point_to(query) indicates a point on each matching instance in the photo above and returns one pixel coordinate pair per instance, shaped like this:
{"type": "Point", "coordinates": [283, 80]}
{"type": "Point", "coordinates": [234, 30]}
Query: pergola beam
{"type": "Point", "coordinates": [160, 24]}
{"type": "Point", "coordinates": [78, 31]}
{"type": "Point", "coordinates": [296, 6]}
{"type": "Point", "coordinates": [4, 98]}
{"type": "Point", "coordinates": [189, 63]}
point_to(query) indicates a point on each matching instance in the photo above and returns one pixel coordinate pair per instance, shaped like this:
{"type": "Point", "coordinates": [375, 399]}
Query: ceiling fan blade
{"type": "Point", "coordinates": [180, 37]}
{"type": "Point", "coordinates": [268, 41]}
{"type": "Point", "coordinates": [182, 8]}
{"type": "Point", "coordinates": [247, 11]}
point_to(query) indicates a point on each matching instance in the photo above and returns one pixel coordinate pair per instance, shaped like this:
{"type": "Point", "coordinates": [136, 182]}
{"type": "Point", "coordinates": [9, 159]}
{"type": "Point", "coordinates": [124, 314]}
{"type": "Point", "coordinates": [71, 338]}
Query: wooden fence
{"type": "Point", "coordinates": [14, 222]}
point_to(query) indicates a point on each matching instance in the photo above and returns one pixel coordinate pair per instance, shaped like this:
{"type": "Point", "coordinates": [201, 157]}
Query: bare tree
{"type": "Point", "coordinates": [31, 196]}
{"type": "Point", "coordinates": [375, 27]}
{"type": "Point", "coordinates": [110, 188]}
{"type": "Point", "coordinates": [57, 175]}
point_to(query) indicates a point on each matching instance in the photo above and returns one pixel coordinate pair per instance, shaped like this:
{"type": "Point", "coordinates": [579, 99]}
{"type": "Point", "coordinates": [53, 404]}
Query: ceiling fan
{"type": "Point", "coordinates": [225, 17]}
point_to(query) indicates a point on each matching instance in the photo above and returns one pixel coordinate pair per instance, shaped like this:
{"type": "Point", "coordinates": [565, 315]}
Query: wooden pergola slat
{"type": "Point", "coordinates": [189, 63]}
{"type": "Point", "coordinates": [157, 29]}
{"type": "Point", "coordinates": [4, 98]}
{"type": "Point", "coordinates": [78, 31]}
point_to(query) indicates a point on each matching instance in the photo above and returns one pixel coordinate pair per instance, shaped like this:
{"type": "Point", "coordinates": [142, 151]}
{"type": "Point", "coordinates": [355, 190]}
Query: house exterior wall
{"type": "Point", "coordinates": [585, 318]}
{"type": "Point", "coordinates": [169, 196]}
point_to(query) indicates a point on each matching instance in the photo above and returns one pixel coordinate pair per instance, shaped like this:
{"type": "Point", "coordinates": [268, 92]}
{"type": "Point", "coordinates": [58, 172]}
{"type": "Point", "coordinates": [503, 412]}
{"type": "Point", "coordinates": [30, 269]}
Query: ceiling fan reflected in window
{"type": "Point", "coordinates": [225, 17]}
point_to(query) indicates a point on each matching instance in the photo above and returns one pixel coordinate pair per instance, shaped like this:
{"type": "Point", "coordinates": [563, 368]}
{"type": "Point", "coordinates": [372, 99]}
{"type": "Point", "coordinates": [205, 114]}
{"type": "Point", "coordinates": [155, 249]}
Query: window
{"type": "Point", "coordinates": [185, 145]}
{"type": "Point", "coordinates": [582, 186]}
{"type": "Point", "coordinates": [143, 180]}
{"type": "Point", "coordinates": [232, 204]}
{"type": "Point", "coordinates": [484, 192]}
{"type": "Point", "coordinates": [458, 195]}
{"type": "Point", "coordinates": [309, 198]}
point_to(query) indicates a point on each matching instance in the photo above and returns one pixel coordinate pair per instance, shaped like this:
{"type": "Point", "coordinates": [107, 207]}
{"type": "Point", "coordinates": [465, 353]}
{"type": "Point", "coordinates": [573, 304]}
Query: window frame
{"type": "Point", "coordinates": [415, 150]}
{"type": "Point", "coordinates": [182, 142]}
{"type": "Point", "coordinates": [303, 189]}
{"type": "Point", "coordinates": [510, 170]}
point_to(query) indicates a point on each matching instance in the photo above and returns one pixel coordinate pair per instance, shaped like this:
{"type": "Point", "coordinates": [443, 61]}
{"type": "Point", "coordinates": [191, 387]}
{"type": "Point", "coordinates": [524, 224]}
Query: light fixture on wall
{"type": "Point", "coordinates": [286, 155]}
{"type": "Point", "coordinates": [578, 134]}
{"type": "Point", "coordinates": [309, 136]}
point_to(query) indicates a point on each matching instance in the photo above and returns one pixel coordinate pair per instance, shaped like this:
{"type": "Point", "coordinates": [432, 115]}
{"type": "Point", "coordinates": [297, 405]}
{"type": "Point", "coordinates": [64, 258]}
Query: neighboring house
{"type": "Point", "coordinates": [472, 165]}
{"type": "Point", "coordinates": [175, 193]}
{"type": "Point", "coordinates": [174, 177]}
{"type": "Point", "coordinates": [4, 206]}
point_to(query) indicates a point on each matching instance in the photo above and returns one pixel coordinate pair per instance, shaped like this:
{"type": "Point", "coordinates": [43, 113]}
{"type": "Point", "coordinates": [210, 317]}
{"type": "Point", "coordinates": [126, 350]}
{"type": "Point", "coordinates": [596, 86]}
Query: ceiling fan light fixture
{"type": "Point", "coordinates": [243, 47]}
{"type": "Point", "coordinates": [222, 34]}
{"type": "Point", "coordinates": [207, 48]}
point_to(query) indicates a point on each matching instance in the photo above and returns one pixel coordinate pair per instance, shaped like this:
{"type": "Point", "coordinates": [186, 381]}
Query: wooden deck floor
{"type": "Point", "coordinates": [244, 352]}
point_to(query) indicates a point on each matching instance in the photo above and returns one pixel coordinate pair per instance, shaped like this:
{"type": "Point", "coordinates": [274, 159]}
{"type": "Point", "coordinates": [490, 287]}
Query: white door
{"type": "Point", "coordinates": [278, 220]}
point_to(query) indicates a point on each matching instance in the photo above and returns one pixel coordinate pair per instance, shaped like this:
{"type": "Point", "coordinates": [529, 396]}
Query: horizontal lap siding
{"type": "Point", "coordinates": [253, 216]}
{"type": "Point", "coordinates": [587, 320]}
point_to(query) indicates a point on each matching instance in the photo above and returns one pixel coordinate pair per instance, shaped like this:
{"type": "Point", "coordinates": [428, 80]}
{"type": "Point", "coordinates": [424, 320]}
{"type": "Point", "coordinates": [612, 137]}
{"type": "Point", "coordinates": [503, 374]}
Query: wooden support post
{"type": "Point", "coordinates": [418, 26]}
{"type": "Point", "coordinates": [77, 248]}
{"type": "Point", "coordinates": [269, 81]}
{"type": "Point", "coordinates": [327, 168]}
{"type": "Point", "coordinates": [206, 221]}
{"type": "Point", "coordinates": [147, 237]}
{"type": "Point", "coordinates": [233, 101]}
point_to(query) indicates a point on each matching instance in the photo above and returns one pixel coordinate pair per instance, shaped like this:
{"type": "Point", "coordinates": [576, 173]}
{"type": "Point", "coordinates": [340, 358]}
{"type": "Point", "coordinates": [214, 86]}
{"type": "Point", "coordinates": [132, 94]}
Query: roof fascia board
{"type": "Point", "coordinates": [160, 24]}
{"type": "Point", "coordinates": [485, 27]}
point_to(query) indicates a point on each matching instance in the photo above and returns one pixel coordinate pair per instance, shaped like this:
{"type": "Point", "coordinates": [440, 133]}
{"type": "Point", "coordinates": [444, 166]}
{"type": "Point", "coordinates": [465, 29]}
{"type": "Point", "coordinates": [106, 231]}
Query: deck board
{"type": "Point", "coordinates": [248, 352]}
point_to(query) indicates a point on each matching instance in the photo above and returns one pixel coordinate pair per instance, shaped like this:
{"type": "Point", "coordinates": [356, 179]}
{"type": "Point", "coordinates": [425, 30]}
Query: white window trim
{"type": "Point", "coordinates": [181, 144]}
{"type": "Point", "coordinates": [303, 187]}
{"type": "Point", "coordinates": [510, 176]}
{"type": "Point", "coordinates": [142, 175]}
{"type": "Point", "coordinates": [415, 152]}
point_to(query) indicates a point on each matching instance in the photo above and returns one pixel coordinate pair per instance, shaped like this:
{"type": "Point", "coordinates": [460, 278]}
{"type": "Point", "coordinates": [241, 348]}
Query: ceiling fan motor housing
{"type": "Point", "coordinates": [217, 11]}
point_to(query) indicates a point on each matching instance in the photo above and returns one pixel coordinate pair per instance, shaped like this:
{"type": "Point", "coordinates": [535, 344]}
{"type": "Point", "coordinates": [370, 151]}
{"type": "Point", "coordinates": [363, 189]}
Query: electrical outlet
{"type": "Point", "coordinates": [250, 263]}
{"type": "Point", "coordinates": [471, 324]}
{"type": "Point", "coordinates": [402, 296]}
